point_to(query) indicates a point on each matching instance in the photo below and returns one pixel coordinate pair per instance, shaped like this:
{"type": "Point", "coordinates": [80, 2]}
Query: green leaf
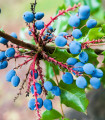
{"type": "Point", "coordinates": [60, 55]}
{"type": "Point", "coordinates": [92, 56]}
{"type": "Point", "coordinates": [50, 95]}
{"type": "Point", "coordinates": [103, 28]}
{"type": "Point", "coordinates": [95, 33]}
{"type": "Point", "coordinates": [73, 97]}
{"type": "Point", "coordinates": [61, 23]}
{"type": "Point", "coordinates": [49, 70]}
{"type": "Point", "coordinates": [51, 115]}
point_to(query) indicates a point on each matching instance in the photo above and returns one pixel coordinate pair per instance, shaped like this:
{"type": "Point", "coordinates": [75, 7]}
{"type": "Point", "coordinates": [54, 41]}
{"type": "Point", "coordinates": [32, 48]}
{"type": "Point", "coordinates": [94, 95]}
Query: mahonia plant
{"type": "Point", "coordinates": [77, 73]}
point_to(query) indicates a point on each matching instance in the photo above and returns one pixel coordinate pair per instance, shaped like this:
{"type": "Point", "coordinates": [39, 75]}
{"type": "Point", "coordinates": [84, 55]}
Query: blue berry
{"type": "Point", "coordinates": [29, 32]}
{"type": "Point", "coordinates": [79, 67]}
{"type": "Point", "coordinates": [28, 16]}
{"type": "Point", "coordinates": [13, 34]}
{"type": "Point", "coordinates": [2, 55]}
{"type": "Point", "coordinates": [48, 85]}
{"type": "Point", "coordinates": [83, 57]}
{"type": "Point", "coordinates": [75, 47]}
{"type": "Point", "coordinates": [95, 82]}
{"type": "Point", "coordinates": [31, 104]}
{"type": "Point", "coordinates": [35, 74]}
{"type": "Point", "coordinates": [3, 41]}
{"type": "Point", "coordinates": [3, 64]}
{"type": "Point", "coordinates": [84, 12]}
{"type": "Point", "coordinates": [50, 28]}
{"type": "Point", "coordinates": [91, 23]}
{"type": "Point", "coordinates": [77, 34]}
{"type": "Point", "coordinates": [39, 25]}
{"type": "Point", "coordinates": [56, 91]}
{"type": "Point", "coordinates": [63, 34]}
{"type": "Point", "coordinates": [15, 81]}
{"type": "Point", "coordinates": [67, 78]}
{"type": "Point", "coordinates": [74, 21]}
{"type": "Point", "coordinates": [47, 104]}
{"type": "Point", "coordinates": [89, 68]}
{"type": "Point", "coordinates": [40, 101]}
{"type": "Point", "coordinates": [71, 61]}
{"type": "Point", "coordinates": [81, 82]}
{"type": "Point", "coordinates": [98, 73]}
{"type": "Point", "coordinates": [38, 88]}
{"type": "Point", "coordinates": [60, 41]}
{"type": "Point", "coordinates": [10, 52]}
{"type": "Point", "coordinates": [10, 74]}
{"type": "Point", "coordinates": [39, 15]}
{"type": "Point", "coordinates": [47, 36]}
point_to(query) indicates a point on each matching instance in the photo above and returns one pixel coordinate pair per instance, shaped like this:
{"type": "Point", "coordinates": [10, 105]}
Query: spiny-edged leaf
{"type": "Point", "coordinates": [64, 119]}
{"type": "Point", "coordinates": [92, 56]}
{"type": "Point", "coordinates": [61, 23]}
{"type": "Point", "coordinates": [73, 97]}
{"type": "Point", "coordinates": [95, 33]}
{"type": "Point", "coordinates": [103, 78]}
{"type": "Point", "coordinates": [49, 70]}
{"type": "Point", "coordinates": [51, 115]}
{"type": "Point", "coordinates": [50, 95]}
{"type": "Point", "coordinates": [61, 55]}
{"type": "Point", "coordinates": [72, 2]}
{"type": "Point", "coordinates": [104, 56]}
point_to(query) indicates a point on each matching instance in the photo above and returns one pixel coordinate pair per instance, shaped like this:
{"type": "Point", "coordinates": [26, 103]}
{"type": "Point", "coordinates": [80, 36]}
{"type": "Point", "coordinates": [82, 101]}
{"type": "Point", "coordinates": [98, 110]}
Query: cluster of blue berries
{"type": "Point", "coordinates": [30, 17]}
{"type": "Point", "coordinates": [74, 21]}
{"type": "Point", "coordinates": [9, 53]}
{"type": "Point", "coordinates": [49, 87]}
{"type": "Point", "coordinates": [83, 67]}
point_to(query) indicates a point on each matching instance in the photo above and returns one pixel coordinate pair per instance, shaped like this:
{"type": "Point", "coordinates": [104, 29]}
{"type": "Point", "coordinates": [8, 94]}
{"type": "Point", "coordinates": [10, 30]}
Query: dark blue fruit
{"type": "Point", "coordinates": [15, 81]}
{"type": "Point", "coordinates": [75, 47]}
{"type": "Point", "coordinates": [13, 34]}
{"type": "Point", "coordinates": [67, 78]}
{"type": "Point", "coordinates": [74, 21]}
{"type": "Point", "coordinates": [84, 12]}
{"type": "Point", "coordinates": [38, 88]}
{"type": "Point", "coordinates": [71, 61]}
{"type": "Point", "coordinates": [29, 32]}
{"type": "Point", "coordinates": [3, 64]}
{"type": "Point", "coordinates": [95, 82]}
{"type": "Point", "coordinates": [10, 52]}
{"type": "Point", "coordinates": [77, 34]}
{"type": "Point", "coordinates": [28, 16]}
{"type": "Point", "coordinates": [56, 91]}
{"type": "Point", "coordinates": [39, 15]}
{"type": "Point", "coordinates": [3, 41]}
{"type": "Point", "coordinates": [35, 74]}
{"type": "Point", "coordinates": [63, 34]}
{"type": "Point", "coordinates": [39, 25]}
{"type": "Point", "coordinates": [31, 104]}
{"type": "Point", "coordinates": [83, 57]}
{"type": "Point", "coordinates": [60, 41]}
{"type": "Point", "coordinates": [79, 67]}
{"type": "Point", "coordinates": [91, 23]}
{"type": "Point", "coordinates": [81, 82]}
{"type": "Point", "coordinates": [89, 68]}
{"type": "Point", "coordinates": [47, 104]}
{"type": "Point", "coordinates": [2, 55]}
{"type": "Point", "coordinates": [48, 85]}
{"type": "Point", "coordinates": [98, 73]}
{"type": "Point", "coordinates": [9, 75]}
